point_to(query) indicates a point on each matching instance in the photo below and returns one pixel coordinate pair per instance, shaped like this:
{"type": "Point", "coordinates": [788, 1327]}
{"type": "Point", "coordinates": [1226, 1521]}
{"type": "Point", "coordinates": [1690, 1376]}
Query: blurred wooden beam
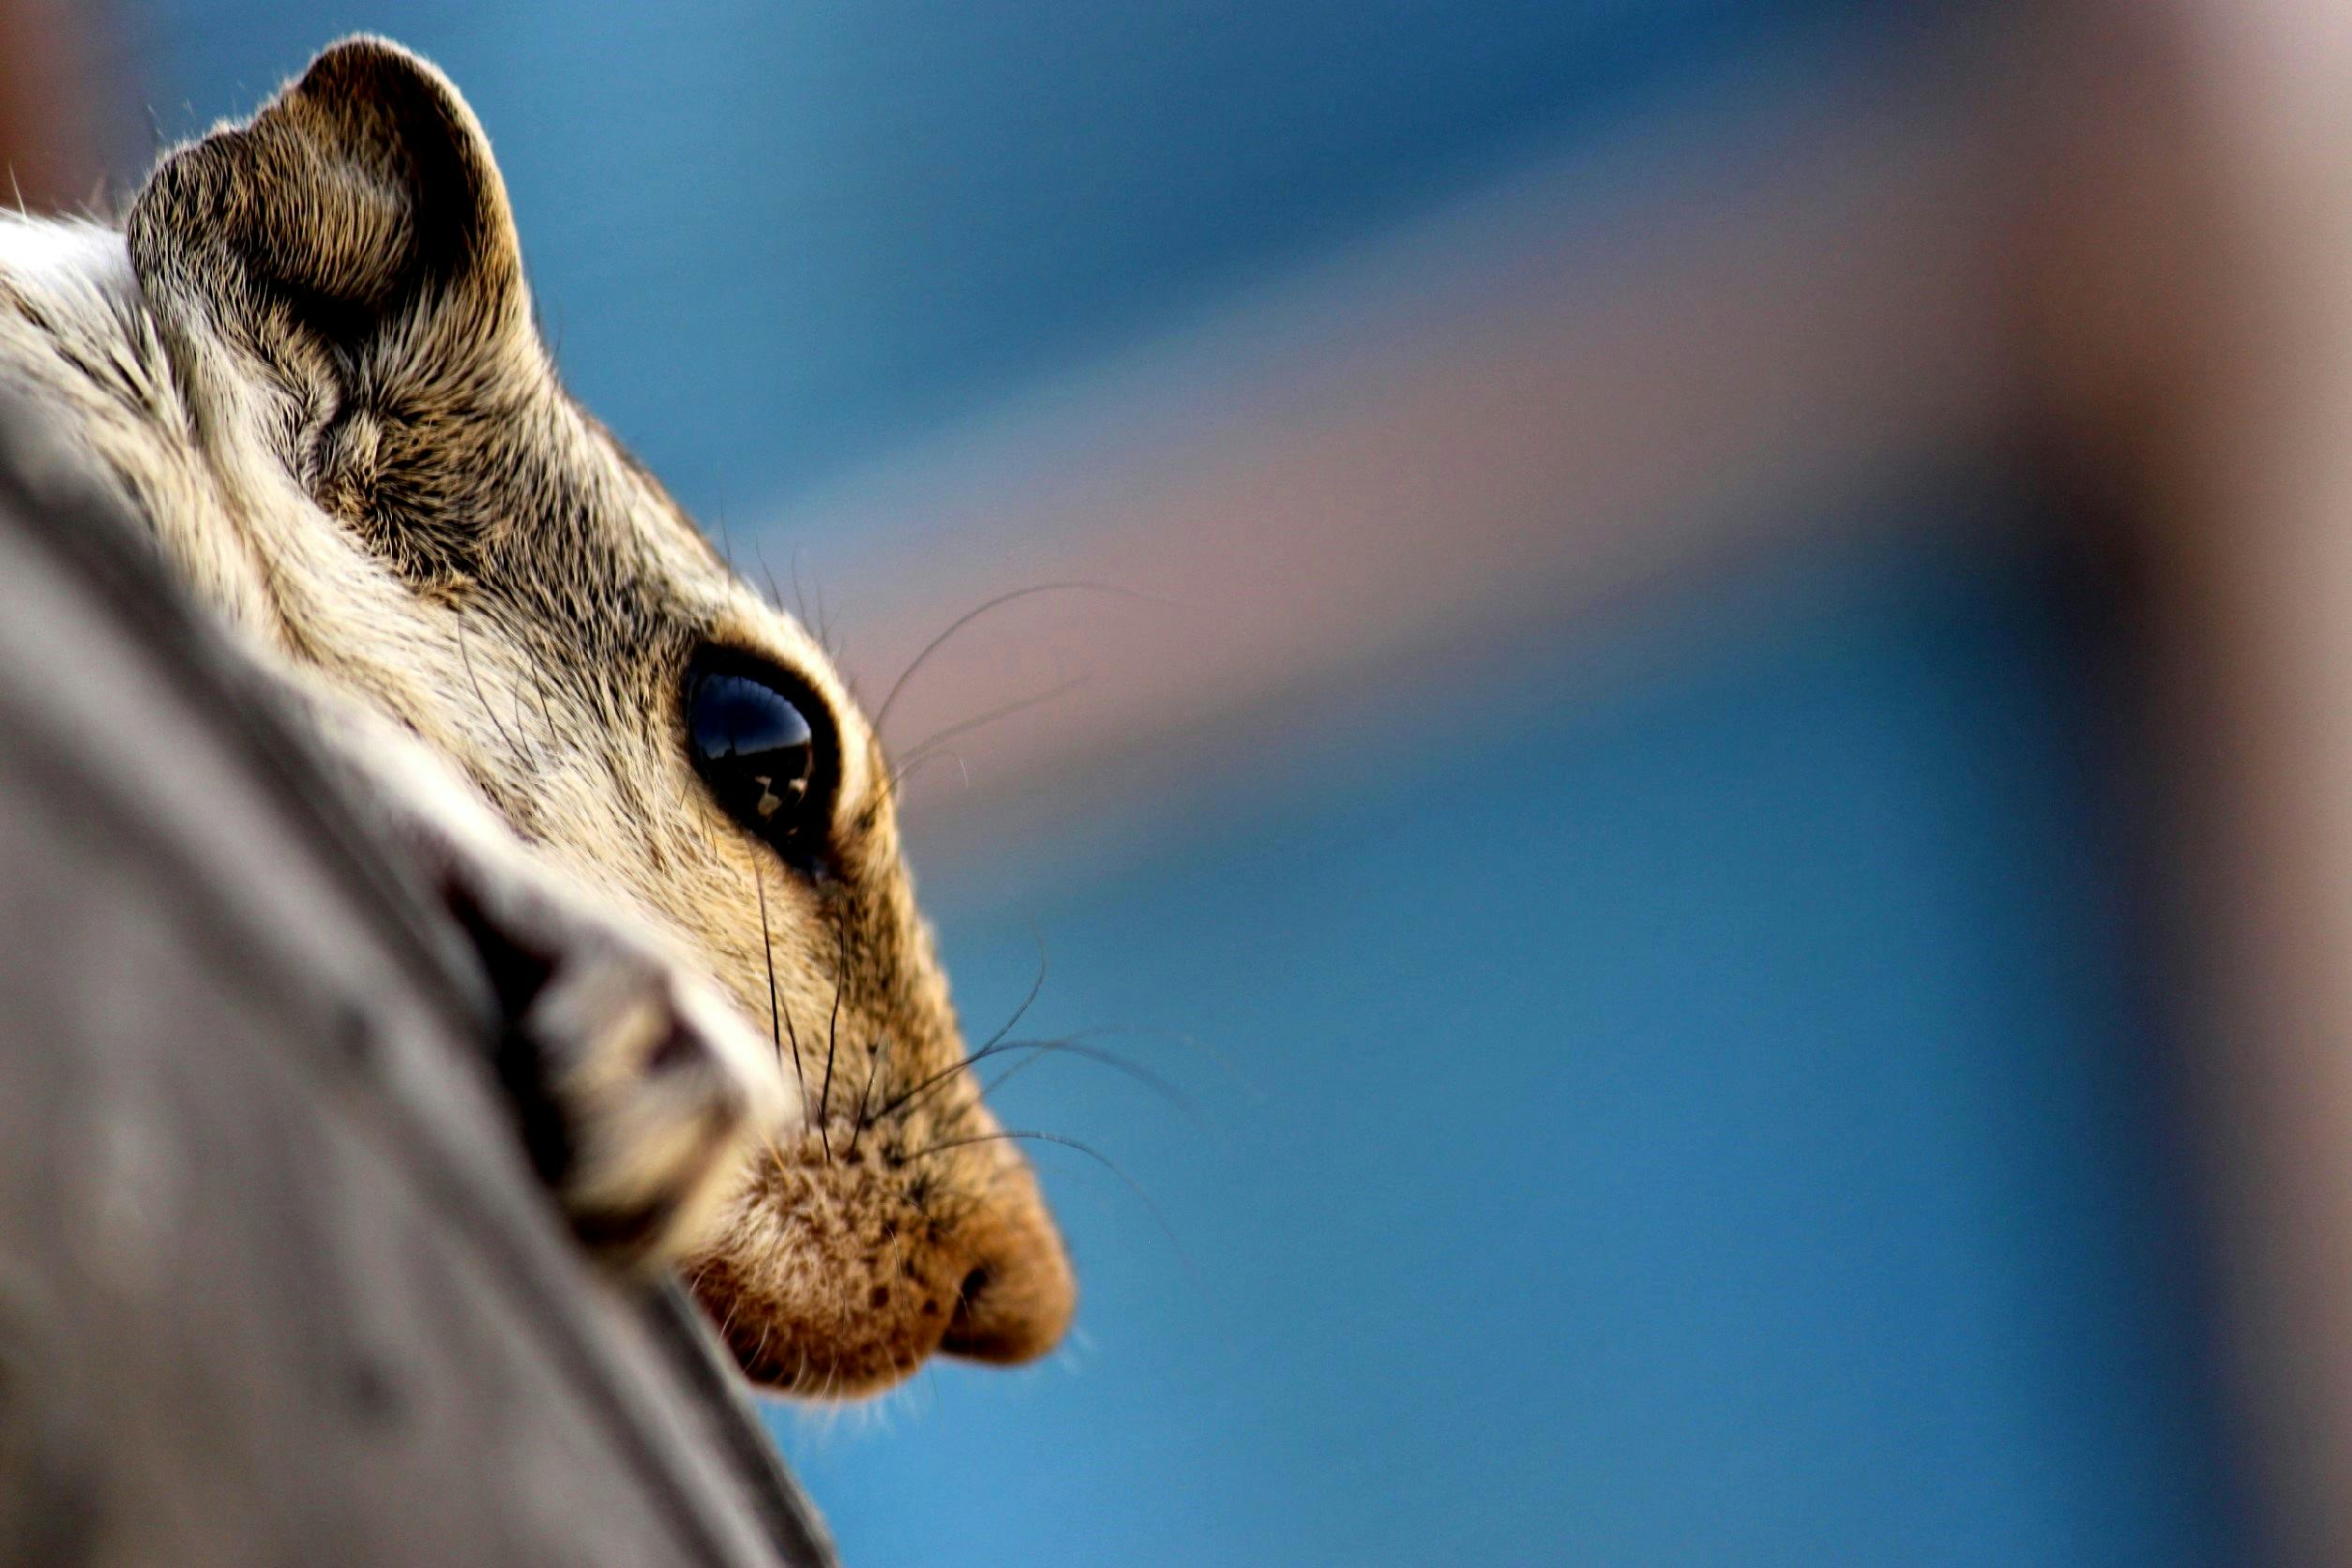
{"type": "Point", "coordinates": [2193, 308]}
{"type": "Point", "coordinates": [60, 111]}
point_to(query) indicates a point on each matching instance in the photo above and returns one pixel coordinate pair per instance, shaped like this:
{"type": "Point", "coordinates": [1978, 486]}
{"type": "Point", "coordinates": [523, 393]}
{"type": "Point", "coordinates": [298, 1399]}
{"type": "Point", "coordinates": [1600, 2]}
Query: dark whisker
{"type": "Point", "coordinates": [820, 623]}
{"type": "Point", "coordinates": [539, 689]}
{"type": "Point", "coordinates": [792, 1036]}
{"type": "Point", "coordinates": [466, 659]}
{"type": "Point", "coordinates": [873, 1071]}
{"type": "Point", "coordinates": [881, 715]}
{"type": "Point", "coordinates": [987, 1047]}
{"type": "Point", "coordinates": [895, 779]}
{"type": "Point", "coordinates": [776, 1008]}
{"type": "Point", "coordinates": [908, 1096]}
{"type": "Point", "coordinates": [1039, 1049]}
{"type": "Point", "coordinates": [1028, 1001]}
{"type": "Point", "coordinates": [539, 684]}
{"type": "Point", "coordinates": [1007, 711]}
{"type": "Point", "coordinates": [767, 574]}
{"type": "Point", "coordinates": [1008, 1135]}
{"type": "Point", "coordinates": [832, 1031]}
{"type": "Point", "coordinates": [995, 1047]}
{"type": "Point", "coordinates": [1025, 1135]}
{"type": "Point", "coordinates": [1224, 1059]}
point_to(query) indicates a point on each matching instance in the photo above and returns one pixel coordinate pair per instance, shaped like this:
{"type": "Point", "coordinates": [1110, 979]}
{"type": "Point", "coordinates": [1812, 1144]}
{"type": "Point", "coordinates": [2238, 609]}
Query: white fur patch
{"type": "Point", "coordinates": [60, 256]}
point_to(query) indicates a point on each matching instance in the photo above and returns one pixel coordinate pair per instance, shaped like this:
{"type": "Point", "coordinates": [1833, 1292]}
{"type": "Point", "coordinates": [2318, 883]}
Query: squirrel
{"type": "Point", "coordinates": [307, 357]}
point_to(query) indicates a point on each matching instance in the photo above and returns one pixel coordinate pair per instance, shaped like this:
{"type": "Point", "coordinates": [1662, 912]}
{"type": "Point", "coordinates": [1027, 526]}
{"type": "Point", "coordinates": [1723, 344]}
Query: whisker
{"type": "Point", "coordinates": [539, 684]}
{"type": "Point", "coordinates": [832, 1031]}
{"type": "Point", "coordinates": [873, 1070]}
{"type": "Point", "coordinates": [895, 779]}
{"type": "Point", "coordinates": [515, 712]}
{"type": "Point", "coordinates": [1028, 1136]}
{"type": "Point", "coordinates": [996, 1048]}
{"type": "Point", "coordinates": [792, 1036]}
{"type": "Point", "coordinates": [776, 594]}
{"type": "Point", "coordinates": [881, 715]}
{"type": "Point", "coordinates": [776, 1008]}
{"type": "Point", "coordinates": [1037, 699]}
{"type": "Point", "coordinates": [1070, 1041]}
{"type": "Point", "coordinates": [987, 1048]}
{"type": "Point", "coordinates": [790, 1033]}
{"type": "Point", "coordinates": [1224, 1059]}
{"type": "Point", "coordinates": [1028, 1001]}
{"type": "Point", "coordinates": [910, 1096]}
{"type": "Point", "coordinates": [466, 659]}
{"type": "Point", "coordinates": [820, 623]}
{"type": "Point", "coordinates": [1040, 1049]}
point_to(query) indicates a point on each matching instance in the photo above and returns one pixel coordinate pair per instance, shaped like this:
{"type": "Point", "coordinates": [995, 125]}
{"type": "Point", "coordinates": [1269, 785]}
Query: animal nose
{"type": "Point", "coordinates": [1016, 1300]}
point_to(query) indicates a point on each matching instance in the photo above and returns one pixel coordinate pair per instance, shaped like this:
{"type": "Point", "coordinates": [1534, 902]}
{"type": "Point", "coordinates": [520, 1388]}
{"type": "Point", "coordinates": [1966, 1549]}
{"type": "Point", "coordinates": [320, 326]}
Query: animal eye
{"type": "Point", "coordinates": [752, 741]}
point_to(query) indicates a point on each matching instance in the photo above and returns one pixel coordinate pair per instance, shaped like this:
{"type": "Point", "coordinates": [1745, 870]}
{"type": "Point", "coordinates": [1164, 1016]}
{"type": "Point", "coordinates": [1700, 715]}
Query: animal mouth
{"type": "Point", "coordinates": [836, 1276]}
{"type": "Point", "coordinates": [787, 1355]}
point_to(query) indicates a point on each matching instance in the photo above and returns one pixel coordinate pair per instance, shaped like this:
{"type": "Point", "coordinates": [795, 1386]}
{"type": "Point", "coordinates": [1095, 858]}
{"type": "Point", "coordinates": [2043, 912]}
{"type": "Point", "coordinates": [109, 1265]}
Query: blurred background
{"type": "Point", "coordinates": [1672, 675]}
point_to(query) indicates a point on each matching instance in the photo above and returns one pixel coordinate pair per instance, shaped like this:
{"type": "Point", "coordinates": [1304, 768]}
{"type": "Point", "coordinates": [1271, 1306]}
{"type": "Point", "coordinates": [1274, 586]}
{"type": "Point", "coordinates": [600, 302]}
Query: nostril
{"type": "Point", "coordinates": [967, 1294]}
{"type": "Point", "coordinates": [1011, 1308]}
{"type": "Point", "coordinates": [981, 1325]}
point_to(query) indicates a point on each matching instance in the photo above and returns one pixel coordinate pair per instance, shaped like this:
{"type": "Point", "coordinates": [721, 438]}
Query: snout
{"type": "Point", "coordinates": [1016, 1299]}
{"type": "Point", "coordinates": [840, 1271]}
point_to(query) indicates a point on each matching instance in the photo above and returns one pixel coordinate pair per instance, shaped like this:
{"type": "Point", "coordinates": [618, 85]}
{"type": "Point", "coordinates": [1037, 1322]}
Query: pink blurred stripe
{"type": "Point", "coordinates": [1598, 373]}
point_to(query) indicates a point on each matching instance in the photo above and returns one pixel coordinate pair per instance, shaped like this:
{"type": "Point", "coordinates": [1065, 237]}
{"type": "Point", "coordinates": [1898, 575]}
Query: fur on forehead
{"type": "Point", "coordinates": [353, 250]}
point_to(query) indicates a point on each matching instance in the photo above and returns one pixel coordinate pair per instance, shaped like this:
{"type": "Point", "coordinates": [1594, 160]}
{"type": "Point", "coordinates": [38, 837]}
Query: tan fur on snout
{"type": "Point", "coordinates": [309, 358]}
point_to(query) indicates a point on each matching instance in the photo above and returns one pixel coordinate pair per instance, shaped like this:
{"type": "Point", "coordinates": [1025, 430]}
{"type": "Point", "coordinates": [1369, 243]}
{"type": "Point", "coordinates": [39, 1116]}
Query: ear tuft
{"type": "Point", "coordinates": [363, 194]}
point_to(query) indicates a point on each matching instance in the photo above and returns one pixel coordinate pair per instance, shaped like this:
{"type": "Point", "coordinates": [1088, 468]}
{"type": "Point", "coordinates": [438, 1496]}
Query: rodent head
{"type": "Point", "coordinates": [429, 518]}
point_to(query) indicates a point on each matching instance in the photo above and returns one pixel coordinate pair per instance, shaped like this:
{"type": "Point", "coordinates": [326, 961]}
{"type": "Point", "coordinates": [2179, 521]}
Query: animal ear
{"type": "Point", "coordinates": [359, 215]}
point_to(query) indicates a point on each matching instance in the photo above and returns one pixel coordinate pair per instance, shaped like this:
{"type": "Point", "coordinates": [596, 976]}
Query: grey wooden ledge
{"type": "Point", "coordinates": [276, 1287]}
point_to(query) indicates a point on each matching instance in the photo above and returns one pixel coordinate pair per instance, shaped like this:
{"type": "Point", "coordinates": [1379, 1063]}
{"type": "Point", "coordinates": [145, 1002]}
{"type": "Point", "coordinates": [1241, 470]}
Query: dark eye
{"type": "Point", "coordinates": [750, 734]}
